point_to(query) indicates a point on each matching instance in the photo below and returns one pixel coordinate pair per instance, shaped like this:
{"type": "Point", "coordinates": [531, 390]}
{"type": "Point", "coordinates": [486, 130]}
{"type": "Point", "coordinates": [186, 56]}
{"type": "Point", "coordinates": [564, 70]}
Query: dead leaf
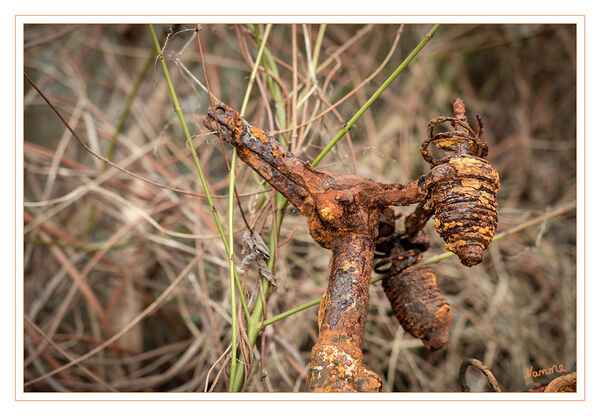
{"type": "Point", "coordinates": [257, 252]}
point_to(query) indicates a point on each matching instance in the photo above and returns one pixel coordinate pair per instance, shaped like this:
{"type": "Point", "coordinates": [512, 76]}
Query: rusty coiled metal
{"type": "Point", "coordinates": [419, 305]}
{"type": "Point", "coordinates": [461, 189]}
{"type": "Point", "coordinates": [412, 289]}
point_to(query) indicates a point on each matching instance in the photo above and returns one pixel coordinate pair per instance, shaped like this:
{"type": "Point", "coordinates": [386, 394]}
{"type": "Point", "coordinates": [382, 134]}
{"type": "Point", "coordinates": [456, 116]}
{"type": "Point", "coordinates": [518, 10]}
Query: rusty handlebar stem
{"type": "Point", "coordinates": [334, 204]}
{"type": "Point", "coordinates": [345, 213]}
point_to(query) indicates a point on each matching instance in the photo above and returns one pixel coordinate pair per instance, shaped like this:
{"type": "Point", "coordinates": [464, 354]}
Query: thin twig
{"type": "Point", "coordinates": [95, 154]}
{"type": "Point", "coordinates": [376, 95]}
{"type": "Point", "coordinates": [67, 355]}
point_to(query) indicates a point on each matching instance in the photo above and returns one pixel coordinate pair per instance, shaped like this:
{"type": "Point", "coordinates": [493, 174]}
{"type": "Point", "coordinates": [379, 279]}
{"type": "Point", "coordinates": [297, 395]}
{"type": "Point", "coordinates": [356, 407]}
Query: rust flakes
{"type": "Point", "coordinates": [462, 188]}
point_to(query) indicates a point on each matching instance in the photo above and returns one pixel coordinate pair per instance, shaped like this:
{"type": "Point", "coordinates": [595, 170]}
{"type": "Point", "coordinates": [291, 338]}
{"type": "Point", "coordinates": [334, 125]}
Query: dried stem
{"type": "Point", "coordinates": [472, 362]}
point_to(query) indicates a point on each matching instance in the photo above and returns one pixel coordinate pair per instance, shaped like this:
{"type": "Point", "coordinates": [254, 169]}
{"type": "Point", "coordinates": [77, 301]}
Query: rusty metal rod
{"type": "Point", "coordinates": [343, 213]}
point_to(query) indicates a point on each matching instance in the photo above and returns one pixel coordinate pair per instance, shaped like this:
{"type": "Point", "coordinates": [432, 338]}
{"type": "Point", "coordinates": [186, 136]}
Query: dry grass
{"type": "Point", "coordinates": [514, 311]}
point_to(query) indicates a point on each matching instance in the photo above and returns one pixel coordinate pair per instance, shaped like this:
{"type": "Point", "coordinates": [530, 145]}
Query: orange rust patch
{"type": "Point", "coordinates": [258, 133]}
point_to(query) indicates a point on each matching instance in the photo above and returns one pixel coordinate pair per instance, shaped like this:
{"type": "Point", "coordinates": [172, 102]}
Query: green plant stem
{"type": "Point", "coordinates": [255, 323]}
{"type": "Point", "coordinates": [363, 31]}
{"type": "Point", "coordinates": [232, 271]}
{"type": "Point", "coordinates": [371, 100]}
{"type": "Point", "coordinates": [315, 58]}
{"type": "Point", "coordinates": [234, 364]}
{"type": "Point", "coordinates": [128, 104]}
{"type": "Point", "coordinates": [555, 213]}
{"type": "Point", "coordinates": [118, 129]}
{"type": "Point", "coordinates": [291, 312]}
{"type": "Point", "coordinates": [261, 50]}
{"type": "Point", "coordinates": [190, 145]}
{"type": "Point", "coordinates": [269, 66]}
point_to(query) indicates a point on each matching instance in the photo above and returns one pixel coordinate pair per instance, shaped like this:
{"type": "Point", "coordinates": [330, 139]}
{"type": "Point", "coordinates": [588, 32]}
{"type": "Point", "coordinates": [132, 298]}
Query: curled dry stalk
{"type": "Point", "coordinates": [472, 362]}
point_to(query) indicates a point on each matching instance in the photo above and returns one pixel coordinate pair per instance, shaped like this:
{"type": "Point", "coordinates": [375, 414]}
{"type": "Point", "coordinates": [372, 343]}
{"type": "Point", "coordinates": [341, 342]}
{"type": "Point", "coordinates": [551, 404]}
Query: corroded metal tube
{"type": "Point", "coordinates": [343, 213]}
{"type": "Point", "coordinates": [419, 305]}
{"type": "Point", "coordinates": [336, 361]}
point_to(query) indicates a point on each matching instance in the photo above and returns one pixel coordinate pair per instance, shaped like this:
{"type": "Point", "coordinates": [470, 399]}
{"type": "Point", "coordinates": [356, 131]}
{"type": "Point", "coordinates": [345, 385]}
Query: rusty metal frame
{"type": "Point", "coordinates": [345, 214]}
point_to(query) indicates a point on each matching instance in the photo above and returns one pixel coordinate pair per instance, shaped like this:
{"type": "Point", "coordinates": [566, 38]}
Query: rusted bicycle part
{"type": "Point", "coordinates": [343, 214]}
{"type": "Point", "coordinates": [419, 305]}
{"type": "Point", "coordinates": [563, 384]}
{"type": "Point", "coordinates": [336, 360]}
{"type": "Point", "coordinates": [412, 290]}
{"type": "Point", "coordinates": [334, 204]}
{"type": "Point", "coordinates": [397, 250]}
{"type": "Point", "coordinates": [461, 189]}
{"type": "Point", "coordinates": [461, 141]}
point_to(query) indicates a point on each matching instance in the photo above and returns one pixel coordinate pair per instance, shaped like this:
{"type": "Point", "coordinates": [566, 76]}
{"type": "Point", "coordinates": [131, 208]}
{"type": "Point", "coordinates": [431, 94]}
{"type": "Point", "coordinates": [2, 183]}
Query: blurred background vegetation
{"type": "Point", "coordinates": [86, 221]}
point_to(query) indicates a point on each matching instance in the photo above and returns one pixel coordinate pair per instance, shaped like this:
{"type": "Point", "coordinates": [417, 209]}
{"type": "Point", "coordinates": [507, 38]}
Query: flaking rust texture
{"type": "Point", "coordinates": [412, 289]}
{"type": "Point", "coordinates": [344, 214]}
{"type": "Point", "coordinates": [336, 360]}
{"type": "Point", "coordinates": [461, 189]}
{"type": "Point", "coordinates": [562, 384]}
{"type": "Point", "coordinates": [419, 305]}
{"type": "Point", "coordinates": [462, 195]}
